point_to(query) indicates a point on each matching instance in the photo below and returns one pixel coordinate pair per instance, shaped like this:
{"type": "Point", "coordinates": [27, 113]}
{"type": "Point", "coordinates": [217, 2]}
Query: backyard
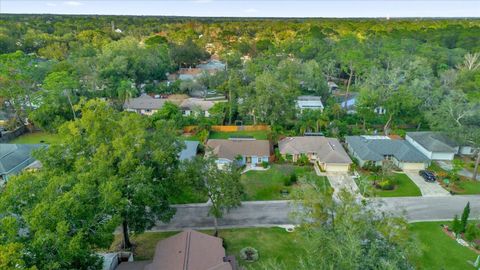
{"type": "Point", "coordinates": [37, 137]}
{"type": "Point", "coordinates": [269, 184]}
{"type": "Point", "coordinates": [404, 186]}
{"type": "Point", "coordinates": [438, 250]}
{"type": "Point", "coordinates": [259, 135]}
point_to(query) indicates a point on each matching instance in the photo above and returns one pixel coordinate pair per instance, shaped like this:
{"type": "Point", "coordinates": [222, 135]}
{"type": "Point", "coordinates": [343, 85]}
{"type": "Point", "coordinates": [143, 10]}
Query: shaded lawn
{"type": "Point", "coordinates": [37, 137]}
{"type": "Point", "coordinates": [271, 243]}
{"type": "Point", "coordinates": [267, 185]}
{"type": "Point", "coordinates": [188, 194]}
{"type": "Point", "coordinates": [463, 186]}
{"type": "Point", "coordinates": [259, 135]}
{"type": "Point", "coordinates": [439, 250]}
{"type": "Point", "coordinates": [404, 187]}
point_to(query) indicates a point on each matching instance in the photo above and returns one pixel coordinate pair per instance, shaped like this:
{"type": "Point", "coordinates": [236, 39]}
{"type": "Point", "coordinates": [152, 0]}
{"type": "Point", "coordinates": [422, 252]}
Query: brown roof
{"type": "Point", "coordinates": [189, 250]}
{"type": "Point", "coordinates": [328, 150]}
{"type": "Point", "coordinates": [231, 148]}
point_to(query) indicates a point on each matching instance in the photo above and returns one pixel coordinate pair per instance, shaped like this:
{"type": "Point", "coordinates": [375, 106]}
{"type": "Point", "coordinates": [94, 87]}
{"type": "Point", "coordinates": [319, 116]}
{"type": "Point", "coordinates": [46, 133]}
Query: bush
{"type": "Point", "coordinates": [472, 232]}
{"type": "Point", "coordinates": [290, 180]}
{"type": "Point", "coordinates": [385, 185]}
{"type": "Point", "coordinates": [249, 254]}
{"type": "Point", "coordinates": [264, 164]}
{"type": "Point", "coordinates": [302, 160]}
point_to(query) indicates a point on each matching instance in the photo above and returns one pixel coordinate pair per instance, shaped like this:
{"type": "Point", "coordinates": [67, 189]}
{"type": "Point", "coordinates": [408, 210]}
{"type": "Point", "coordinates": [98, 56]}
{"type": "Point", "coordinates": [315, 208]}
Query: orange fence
{"type": "Point", "coordinates": [190, 129]}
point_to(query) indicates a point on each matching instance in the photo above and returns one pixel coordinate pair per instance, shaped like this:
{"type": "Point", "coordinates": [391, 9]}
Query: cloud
{"type": "Point", "coordinates": [73, 3]}
{"type": "Point", "coordinates": [50, 4]}
{"type": "Point", "coordinates": [251, 10]}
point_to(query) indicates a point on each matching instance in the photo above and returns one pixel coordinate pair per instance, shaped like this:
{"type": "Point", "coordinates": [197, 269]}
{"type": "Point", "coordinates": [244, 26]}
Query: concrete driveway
{"type": "Point", "coordinates": [341, 181]}
{"type": "Point", "coordinates": [428, 189]}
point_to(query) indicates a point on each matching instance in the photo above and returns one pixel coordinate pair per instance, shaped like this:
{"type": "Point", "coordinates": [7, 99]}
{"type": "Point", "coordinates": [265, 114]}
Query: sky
{"type": "Point", "coordinates": [260, 8]}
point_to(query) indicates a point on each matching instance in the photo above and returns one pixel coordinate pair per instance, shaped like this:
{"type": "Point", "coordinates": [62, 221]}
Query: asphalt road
{"type": "Point", "coordinates": [272, 213]}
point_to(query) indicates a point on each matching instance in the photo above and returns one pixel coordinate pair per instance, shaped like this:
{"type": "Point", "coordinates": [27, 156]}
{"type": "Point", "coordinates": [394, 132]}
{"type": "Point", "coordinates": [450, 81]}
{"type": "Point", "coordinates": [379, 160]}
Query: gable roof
{"type": "Point", "coordinates": [16, 157]}
{"type": "Point", "coordinates": [190, 150]}
{"type": "Point", "coordinates": [375, 148]}
{"type": "Point", "coordinates": [193, 103]}
{"type": "Point", "coordinates": [231, 148]}
{"type": "Point", "coordinates": [189, 250]}
{"type": "Point", "coordinates": [328, 150]}
{"type": "Point", "coordinates": [144, 102]}
{"type": "Point", "coordinates": [434, 141]}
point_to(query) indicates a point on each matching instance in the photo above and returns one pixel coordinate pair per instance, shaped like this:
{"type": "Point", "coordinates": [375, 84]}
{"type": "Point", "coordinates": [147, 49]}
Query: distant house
{"type": "Point", "coordinates": [332, 86]}
{"type": "Point", "coordinates": [144, 104]}
{"type": "Point", "coordinates": [190, 150]}
{"type": "Point", "coordinates": [194, 106]}
{"type": "Point", "coordinates": [14, 158]}
{"type": "Point", "coordinates": [185, 74]}
{"type": "Point", "coordinates": [309, 102]}
{"type": "Point", "coordinates": [435, 145]}
{"type": "Point", "coordinates": [213, 65]}
{"type": "Point", "coordinates": [188, 250]}
{"type": "Point", "coordinates": [243, 151]}
{"type": "Point", "coordinates": [328, 153]}
{"type": "Point", "coordinates": [350, 104]}
{"type": "Point", "coordinates": [377, 149]}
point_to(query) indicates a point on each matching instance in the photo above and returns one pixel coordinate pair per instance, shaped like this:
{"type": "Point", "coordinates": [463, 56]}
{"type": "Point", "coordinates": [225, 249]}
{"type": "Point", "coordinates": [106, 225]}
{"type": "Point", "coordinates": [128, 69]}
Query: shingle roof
{"type": "Point", "coordinates": [190, 151]}
{"type": "Point", "coordinates": [434, 141]}
{"type": "Point", "coordinates": [231, 148]}
{"type": "Point", "coordinates": [328, 150]}
{"type": "Point", "coordinates": [15, 157]}
{"type": "Point", "coordinates": [312, 102]}
{"type": "Point", "coordinates": [371, 148]}
{"type": "Point", "coordinates": [193, 103]}
{"type": "Point", "coordinates": [144, 102]}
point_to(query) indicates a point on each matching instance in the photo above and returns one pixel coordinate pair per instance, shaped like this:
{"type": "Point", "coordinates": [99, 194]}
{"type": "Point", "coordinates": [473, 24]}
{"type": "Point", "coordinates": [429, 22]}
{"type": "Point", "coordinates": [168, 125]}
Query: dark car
{"type": "Point", "coordinates": [428, 175]}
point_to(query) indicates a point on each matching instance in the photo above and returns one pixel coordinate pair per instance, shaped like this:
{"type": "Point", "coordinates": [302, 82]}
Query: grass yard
{"type": "Point", "coordinates": [272, 244]}
{"type": "Point", "coordinates": [440, 251]}
{"type": "Point", "coordinates": [267, 185]}
{"type": "Point", "coordinates": [404, 187]}
{"type": "Point", "coordinates": [259, 135]}
{"type": "Point", "coordinates": [188, 194]}
{"type": "Point", "coordinates": [37, 137]}
{"type": "Point", "coordinates": [464, 186]}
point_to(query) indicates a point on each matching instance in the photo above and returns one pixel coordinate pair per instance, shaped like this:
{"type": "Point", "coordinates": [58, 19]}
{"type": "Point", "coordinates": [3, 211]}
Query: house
{"type": "Point", "coordinates": [144, 104]}
{"type": "Point", "coordinates": [190, 150]}
{"type": "Point", "coordinates": [332, 86]}
{"type": "Point", "coordinates": [185, 74]}
{"type": "Point", "coordinates": [14, 158]}
{"type": "Point", "coordinates": [188, 250]}
{"type": "Point", "coordinates": [377, 149]}
{"type": "Point", "coordinates": [309, 102]}
{"type": "Point", "coordinates": [243, 151]}
{"type": "Point", "coordinates": [349, 103]}
{"type": "Point", "coordinates": [435, 145]}
{"type": "Point", "coordinates": [213, 65]}
{"type": "Point", "coordinates": [196, 106]}
{"type": "Point", "coordinates": [328, 153]}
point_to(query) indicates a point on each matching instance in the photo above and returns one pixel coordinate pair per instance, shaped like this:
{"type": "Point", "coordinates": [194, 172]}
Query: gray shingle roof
{"type": "Point", "coordinates": [328, 150]}
{"type": "Point", "coordinates": [376, 149]}
{"type": "Point", "coordinates": [434, 141]}
{"type": "Point", "coordinates": [230, 149]}
{"type": "Point", "coordinates": [144, 102]}
{"type": "Point", "coordinates": [190, 151]}
{"type": "Point", "coordinates": [15, 157]}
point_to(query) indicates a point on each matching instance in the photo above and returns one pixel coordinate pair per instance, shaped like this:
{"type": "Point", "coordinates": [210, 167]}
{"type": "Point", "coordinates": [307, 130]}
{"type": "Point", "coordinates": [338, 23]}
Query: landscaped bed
{"type": "Point", "coordinates": [464, 185]}
{"type": "Point", "coordinates": [37, 137]}
{"type": "Point", "coordinates": [269, 184]}
{"type": "Point", "coordinates": [403, 186]}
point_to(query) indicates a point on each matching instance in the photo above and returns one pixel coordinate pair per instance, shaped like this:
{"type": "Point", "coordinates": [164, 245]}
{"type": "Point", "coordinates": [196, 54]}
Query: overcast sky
{"type": "Point", "coordinates": [261, 8]}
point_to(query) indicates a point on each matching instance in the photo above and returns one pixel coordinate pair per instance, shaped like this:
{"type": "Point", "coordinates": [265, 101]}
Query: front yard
{"type": "Point", "coordinates": [269, 184]}
{"type": "Point", "coordinates": [403, 186]}
{"type": "Point", "coordinates": [464, 185]}
{"type": "Point", "coordinates": [37, 137]}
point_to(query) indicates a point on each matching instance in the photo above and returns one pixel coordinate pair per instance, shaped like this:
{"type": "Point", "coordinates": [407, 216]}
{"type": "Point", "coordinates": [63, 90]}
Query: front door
{"type": "Point", "coordinates": [248, 160]}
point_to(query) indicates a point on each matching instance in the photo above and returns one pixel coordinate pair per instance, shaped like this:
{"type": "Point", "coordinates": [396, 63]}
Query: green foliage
{"type": "Point", "coordinates": [464, 219]}
{"type": "Point", "coordinates": [291, 179]}
{"type": "Point", "coordinates": [187, 54]}
{"type": "Point", "coordinates": [472, 232]}
{"type": "Point", "coordinates": [302, 160]}
{"type": "Point", "coordinates": [456, 225]}
{"type": "Point", "coordinates": [265, 164]}
{"type": "Point", "coordinates": [249, 254]}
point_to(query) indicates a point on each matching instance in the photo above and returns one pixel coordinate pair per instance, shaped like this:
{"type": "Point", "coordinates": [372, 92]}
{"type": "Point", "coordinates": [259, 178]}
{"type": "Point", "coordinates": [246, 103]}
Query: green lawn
{"type": "Point", "coordinates": [188, 194]}
{"type": "Point", "coordinates": [259, 135]}
{"type": "Point", "coordinates": [37, 137]}
{"type": "Point", "coordinates": [404, 188]}
{"type": "Point", "coordinates": [267, 185]}
{"type": "Point", "coordinates": [440, 251]}
{"type": "Point", "coordinates": [272, 244]}
{"type": "Point", "coordinates": [464, 186]}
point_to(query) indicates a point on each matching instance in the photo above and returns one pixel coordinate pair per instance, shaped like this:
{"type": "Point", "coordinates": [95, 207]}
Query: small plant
{"type": "Point", "coordinates": [264, 164]}
{"type": "Point", "coordinates": [302, 160]}
{"type": "Point", "coordinates": [290, 180]}
{"type": "Point", "coordinates": [472, 232]}
{"type": "Point", "coordinates": [385, 185]}
{"type": "Point", "coordinates": [456, 225]}
{"type": "Point", "coordinates": [249, 254]}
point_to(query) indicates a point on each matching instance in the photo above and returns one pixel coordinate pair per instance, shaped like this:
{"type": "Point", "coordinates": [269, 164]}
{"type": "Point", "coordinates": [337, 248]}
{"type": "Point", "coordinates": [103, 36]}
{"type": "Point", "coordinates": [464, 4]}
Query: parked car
{"type": "Point", "coordinates": [428, 175]}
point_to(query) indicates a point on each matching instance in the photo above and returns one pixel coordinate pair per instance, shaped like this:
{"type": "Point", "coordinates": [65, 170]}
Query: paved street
{"type": "Point", "coordinates": [271, 213]}
{"type": "Point", "coordinates": [428, 189]}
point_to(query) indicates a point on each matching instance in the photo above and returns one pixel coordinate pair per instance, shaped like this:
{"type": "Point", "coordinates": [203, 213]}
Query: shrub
{"type": "Point", "coordinates": [302, 160]}
{"type": "Point", "coordinates": [385, 185]}
{"type": "Point", "coordinates": [249, 254]}
{"type": "Point", "coordinates": [264, 164]}
{"type": "Point", "coordinates": [472, 232]}
{"type": "Point", "coordinates": [290, 180]}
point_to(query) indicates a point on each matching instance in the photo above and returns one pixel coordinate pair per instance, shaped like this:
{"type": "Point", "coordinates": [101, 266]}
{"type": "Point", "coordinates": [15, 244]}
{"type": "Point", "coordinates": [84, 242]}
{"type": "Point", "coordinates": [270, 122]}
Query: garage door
{"type": "Point", "coordinates": [413, 166]}
{"type": "Point", "coordinates": [336, 167]}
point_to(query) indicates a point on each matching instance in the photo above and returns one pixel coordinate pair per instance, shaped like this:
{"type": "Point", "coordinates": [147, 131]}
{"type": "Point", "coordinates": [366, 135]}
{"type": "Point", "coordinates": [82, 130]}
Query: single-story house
{"type": "Point", "coordinates": [328, 153]}
{"type": "Point", "coordinates": [185, 74]}
{"type": "Point", "coordinates": [188, 250]}
{"type": "Point", "coordinates": [14, 158]}
{"type": "Point", "coordinates": [243, 151]}
{"type": "Point", "coordinates": [195, 106]}
{"type": "Point", "coordinates": [434, 145]}
{"type": "Point", "coordinates": [190, 150]}
{"type": "Point", "coordinates": [144, 104]}
{"type": "Point", "coordinates": [212, 65]}
{"type": "Point", "coordinates": [378, 149]}
{"type": "Point", "coordinates": [309, 102]}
